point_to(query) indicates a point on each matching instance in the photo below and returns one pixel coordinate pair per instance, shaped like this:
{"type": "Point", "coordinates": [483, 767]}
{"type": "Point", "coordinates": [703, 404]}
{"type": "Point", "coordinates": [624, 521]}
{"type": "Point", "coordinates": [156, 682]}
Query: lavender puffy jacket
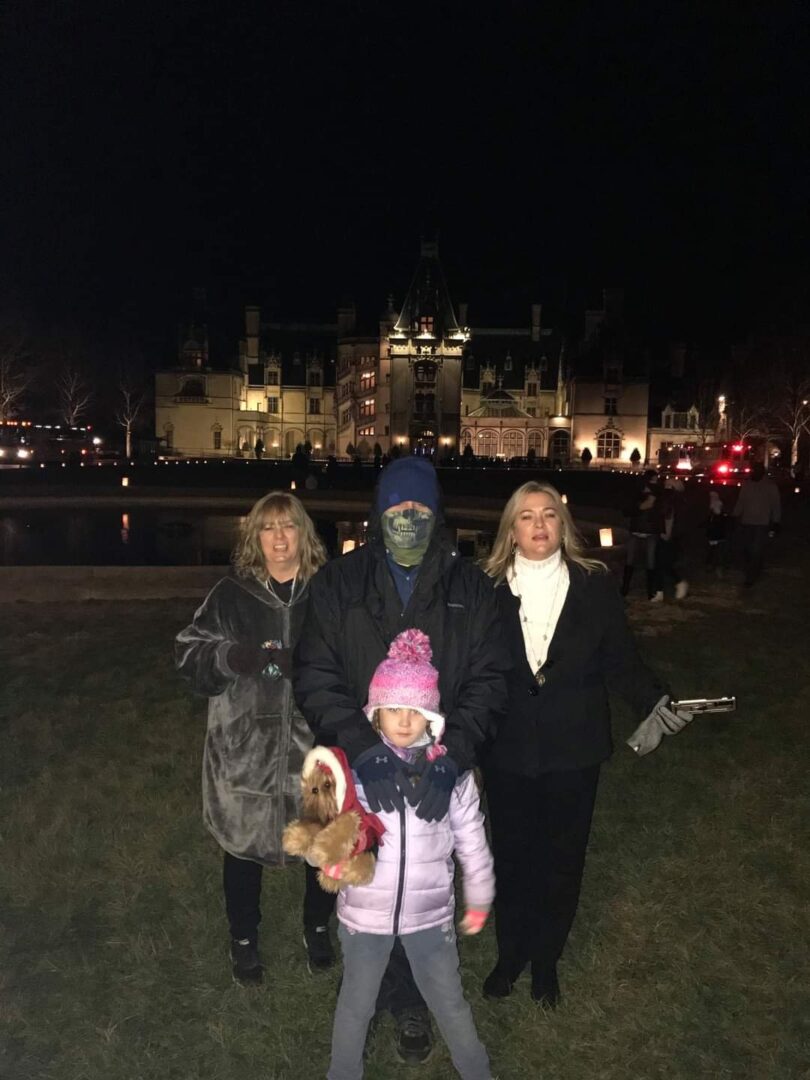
{"type": "Point", "coordinates": [412, 887]}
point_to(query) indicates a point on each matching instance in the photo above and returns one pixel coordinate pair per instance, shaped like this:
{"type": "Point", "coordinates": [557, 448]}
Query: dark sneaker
{"type": "Point", "coordinates": [414, 1038]}
{"type": "Point", "coordinates": [246, 965]}
{"type": "Point", "coordinates": [320, 951]}
{"type": "Point", "coordinates": [546, 988]}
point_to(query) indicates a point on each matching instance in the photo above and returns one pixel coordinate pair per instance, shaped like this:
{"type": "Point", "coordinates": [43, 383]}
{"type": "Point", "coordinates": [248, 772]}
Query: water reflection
{"type": "Point", "coordinates": [155, 537]}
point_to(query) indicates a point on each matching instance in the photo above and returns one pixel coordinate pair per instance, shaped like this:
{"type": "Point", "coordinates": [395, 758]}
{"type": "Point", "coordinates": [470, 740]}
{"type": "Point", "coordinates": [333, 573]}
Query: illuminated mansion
{"type": "Point", "coordinates": [424, 381]}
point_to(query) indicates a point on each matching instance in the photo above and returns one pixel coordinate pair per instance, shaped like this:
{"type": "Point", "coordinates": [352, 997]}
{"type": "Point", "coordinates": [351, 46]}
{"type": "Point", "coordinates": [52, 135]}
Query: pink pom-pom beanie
{"type": "Point", "coordinates": [406, 679]}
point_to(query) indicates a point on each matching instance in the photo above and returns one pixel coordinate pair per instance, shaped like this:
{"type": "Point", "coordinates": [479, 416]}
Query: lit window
{"type": "Point", "coordinates": [608, 446]}
{"type": "Point", "coordinates": [272, 404]}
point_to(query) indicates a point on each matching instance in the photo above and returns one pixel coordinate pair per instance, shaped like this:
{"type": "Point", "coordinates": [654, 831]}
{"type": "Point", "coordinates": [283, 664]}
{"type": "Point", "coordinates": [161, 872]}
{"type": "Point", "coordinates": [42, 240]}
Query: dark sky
{"type": "Point", "coordinates": [291, 153]}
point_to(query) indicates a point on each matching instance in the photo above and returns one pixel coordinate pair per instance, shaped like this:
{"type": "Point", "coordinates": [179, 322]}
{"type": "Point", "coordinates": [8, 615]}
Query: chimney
{"type": "Point", "coordinates": [346, 319]}
{"type": "Point", "coordinates": [537, 312]}
{"type": "Point", "coordinates": [462, 314]}
{"type": "Point", "coordinates": [252, 334]}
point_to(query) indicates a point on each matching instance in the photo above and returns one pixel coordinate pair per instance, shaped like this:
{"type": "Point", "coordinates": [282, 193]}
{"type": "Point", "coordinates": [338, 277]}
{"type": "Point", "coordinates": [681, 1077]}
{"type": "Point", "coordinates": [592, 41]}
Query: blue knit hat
{"type": "Point", "coordinates": [408, 479]}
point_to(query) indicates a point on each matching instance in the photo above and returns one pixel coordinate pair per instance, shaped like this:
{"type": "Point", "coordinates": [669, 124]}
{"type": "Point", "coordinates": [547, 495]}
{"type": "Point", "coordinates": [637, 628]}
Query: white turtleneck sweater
{"type": "Point", "coordinates": [542, 585]}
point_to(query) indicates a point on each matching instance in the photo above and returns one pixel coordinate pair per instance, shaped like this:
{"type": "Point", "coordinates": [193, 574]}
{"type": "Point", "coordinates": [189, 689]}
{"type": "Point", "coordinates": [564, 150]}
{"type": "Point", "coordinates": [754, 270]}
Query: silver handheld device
{"type": "Point", "coordinates": [706, 705]}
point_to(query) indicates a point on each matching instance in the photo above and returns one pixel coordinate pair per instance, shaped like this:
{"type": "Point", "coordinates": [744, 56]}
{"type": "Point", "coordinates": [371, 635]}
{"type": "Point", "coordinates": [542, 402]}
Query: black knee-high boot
{"type": "Point", "coordinates": [627, 577]}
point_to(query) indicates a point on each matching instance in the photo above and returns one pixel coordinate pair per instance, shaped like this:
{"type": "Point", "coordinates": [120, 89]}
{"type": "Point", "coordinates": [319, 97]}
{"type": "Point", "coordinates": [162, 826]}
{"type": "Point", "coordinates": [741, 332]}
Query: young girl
{"type": "Point", "coordinates": [411, 895]}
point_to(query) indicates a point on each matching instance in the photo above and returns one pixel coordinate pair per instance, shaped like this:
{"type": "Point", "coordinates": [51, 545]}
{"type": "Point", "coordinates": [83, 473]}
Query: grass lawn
{"type": "Point", "coordinates": [688, 957]}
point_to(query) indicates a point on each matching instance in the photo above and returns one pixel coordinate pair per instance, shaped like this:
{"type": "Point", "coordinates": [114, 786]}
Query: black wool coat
{"type": "Point", "coordinates": [565, 722]}
{"type": "Point", "coordinates": [354, 614]}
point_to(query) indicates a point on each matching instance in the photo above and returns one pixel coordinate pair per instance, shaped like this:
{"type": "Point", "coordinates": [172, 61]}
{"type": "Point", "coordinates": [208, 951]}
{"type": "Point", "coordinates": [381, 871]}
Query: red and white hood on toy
{"type": "Point", "coordinates": [335, 761]}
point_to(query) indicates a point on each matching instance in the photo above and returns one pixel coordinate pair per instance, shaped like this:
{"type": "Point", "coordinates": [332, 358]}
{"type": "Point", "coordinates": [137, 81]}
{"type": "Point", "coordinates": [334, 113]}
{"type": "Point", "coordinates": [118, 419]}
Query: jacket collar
{"type": "Point", "coordinates": [259, 590]}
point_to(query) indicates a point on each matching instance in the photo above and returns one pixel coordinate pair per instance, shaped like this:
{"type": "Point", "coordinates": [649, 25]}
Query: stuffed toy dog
{"type": "Point", "coordinates": [335, 832]}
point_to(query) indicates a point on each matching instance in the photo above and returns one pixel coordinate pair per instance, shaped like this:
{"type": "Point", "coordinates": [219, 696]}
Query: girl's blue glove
{"type": "Point", "coordinates": [379, 771]}
{"type": "Point", "coordinates": [431, 795]}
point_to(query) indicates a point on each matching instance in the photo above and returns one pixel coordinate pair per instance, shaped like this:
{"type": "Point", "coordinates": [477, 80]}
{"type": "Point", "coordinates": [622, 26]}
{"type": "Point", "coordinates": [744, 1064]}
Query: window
{"type": "Point", "coordinates": [314, 406]}
{"type": "Point", "coordinates": [272, 404]}
{"type": "Point", "coordinates": [531, 389]}
{"type": "Point", "coordinates": [608, 446]}
{"type": "Point", "coordinates": [272, 377]}
{"type": "Point", "coordinates": [535, 441]}
{"type": "Point", "coordinates": [368, 382]}
{"type": "Point", "coordinates": [487, 443]}
{"type": "Point", "coordinates": [425, 372]}
{"type": "Point", "coordinates": [610, 406]}
{"type": "Point", "coordinates": [193, 388]}
{"type": "Point", "coordinates": [559, 446]}
{"type": "Point", "coordinates": [667, 420]}
{"type": "Point", "coordinates": [680, 420]}
{"type": "Point", "coordinates": [346, 416]}
{"type": "Point", "coordinates": [507, 364]}
{"type": "Point", "coordinates": [314, 378]}
{"type": "Point", "coordinates": [512, 443]}
{"type": "Point", "coordinates": [367, 407]}
{"type": "Point", "coordinates": [217, 440]}
{"type": "Point", "coordinates": [426, 324]}
{"type": "Point", "coordinates": [366, 430]}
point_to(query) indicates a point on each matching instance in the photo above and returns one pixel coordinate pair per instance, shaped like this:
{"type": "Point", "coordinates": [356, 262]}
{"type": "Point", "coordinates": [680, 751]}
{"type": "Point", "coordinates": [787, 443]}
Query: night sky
{"type": "Point", "coordinates": [291, 154]}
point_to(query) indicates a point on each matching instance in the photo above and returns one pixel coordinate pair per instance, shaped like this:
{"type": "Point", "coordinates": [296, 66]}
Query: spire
{"type": "Point", "coordinates": [428, 308]}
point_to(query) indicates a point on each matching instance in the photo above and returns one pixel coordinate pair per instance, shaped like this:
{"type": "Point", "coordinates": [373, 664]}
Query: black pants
{"type": "Point", "coordinates": [242, 882]}
{"type": "Point", "coordinates": [668, 561]}
{"type": "Point", "coordinates": [753, 540]}
{"type": "Point", "coordinates": [540, 828]}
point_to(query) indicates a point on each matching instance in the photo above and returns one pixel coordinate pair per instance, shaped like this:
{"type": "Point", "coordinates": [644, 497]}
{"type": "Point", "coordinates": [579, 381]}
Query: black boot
{"type": "Point", "coordinates": [545, 987]}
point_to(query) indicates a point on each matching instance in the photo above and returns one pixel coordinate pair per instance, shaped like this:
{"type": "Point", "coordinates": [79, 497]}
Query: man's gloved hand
{"type": "Point", "coordinates": [379, 771]}
{"type": "Point", "coordinates": [247, 659]}
{"type": "Point", "coordinates": [662, 721]}
{"type": "Point", "coordinates": [431, 794]}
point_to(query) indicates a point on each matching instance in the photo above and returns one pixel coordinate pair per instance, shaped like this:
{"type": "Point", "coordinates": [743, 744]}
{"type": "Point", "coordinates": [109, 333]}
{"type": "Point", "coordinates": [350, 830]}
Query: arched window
{"type": "Point", "coordinates": [466, 438]}
{"type": "Point", "coordinates": [512, 444]}
{"type": "Point", "coordinates": [192, 388]}
{"type": "Point", "coordinates": [608, 446]}
{"type": "Point", "coordinates": [560, 446]}
{"type": "Point", "coordinates": [535, 442]}
{"type": "Point", "coordinates": [487, 443]}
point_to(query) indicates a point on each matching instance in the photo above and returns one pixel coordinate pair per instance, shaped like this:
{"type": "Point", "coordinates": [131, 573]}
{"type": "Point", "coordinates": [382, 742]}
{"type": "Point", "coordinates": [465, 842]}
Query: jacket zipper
{"type": "Point", "coordinates": [401, 881]}
{"type": "Point", "coordinates": [286, 714]}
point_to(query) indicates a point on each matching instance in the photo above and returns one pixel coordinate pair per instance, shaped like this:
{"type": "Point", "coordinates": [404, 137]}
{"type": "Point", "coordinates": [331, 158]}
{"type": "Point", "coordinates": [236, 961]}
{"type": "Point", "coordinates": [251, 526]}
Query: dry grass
{"type": "Point", "coordinates": [688, 958]}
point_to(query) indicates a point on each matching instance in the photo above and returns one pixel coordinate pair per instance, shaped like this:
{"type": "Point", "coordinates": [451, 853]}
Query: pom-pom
{"type": "Point", "coordinates": [411, 647]}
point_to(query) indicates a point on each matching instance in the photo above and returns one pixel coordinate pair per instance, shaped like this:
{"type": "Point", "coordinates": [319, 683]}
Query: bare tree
{"type": "Point", "coordinates": [15, 377]}
{"type": "Point", "coordinates": [131, 402]}
{"type": "Point", "coordinates": [75, 394]}
{"type": "Point", "coordinates": [709, 414]}
{"type": "Point", "coordinates": [790, 396]}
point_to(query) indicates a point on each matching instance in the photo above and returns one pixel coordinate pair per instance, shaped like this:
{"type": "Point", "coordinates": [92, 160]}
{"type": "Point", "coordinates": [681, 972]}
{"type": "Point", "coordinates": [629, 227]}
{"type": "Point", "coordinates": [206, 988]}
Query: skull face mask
{"type": "Point", "coordinates": [406, 534]}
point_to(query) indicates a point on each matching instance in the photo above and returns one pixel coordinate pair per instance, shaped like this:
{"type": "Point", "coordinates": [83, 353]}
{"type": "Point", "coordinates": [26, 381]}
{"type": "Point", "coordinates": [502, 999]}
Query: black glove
{"type": "Point", "coordinates": [380, 772]}
{"type": "Point", "coordinates": [247, 659]}
{"type": "Point", "coordinates": [431, 795]}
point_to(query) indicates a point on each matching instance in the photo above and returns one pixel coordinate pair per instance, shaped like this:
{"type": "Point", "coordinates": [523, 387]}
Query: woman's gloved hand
{"type": "Point", "coordinates": [662, 721]}
{"type": "Point", "coordinates": [473, 921]}
{"type": "Point", "coordinates": [379, 771]}
{"type": "Point", "coordinates": [247, 659]}
{"type": "Point", "coordinates": [431, 794]}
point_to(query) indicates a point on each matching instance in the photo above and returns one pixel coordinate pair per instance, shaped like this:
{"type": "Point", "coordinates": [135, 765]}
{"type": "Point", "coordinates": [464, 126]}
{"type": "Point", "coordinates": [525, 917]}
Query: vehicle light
{"type": "Point", "coordinates": [738, 448]}
{"type": "Point", "coordinates": [23, 453]}
{"type": "Point", "coordinates": [722, 468]}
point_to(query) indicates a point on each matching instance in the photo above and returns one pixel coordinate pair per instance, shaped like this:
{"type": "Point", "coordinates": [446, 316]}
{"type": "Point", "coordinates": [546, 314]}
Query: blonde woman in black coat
{"type": "Point", "coordinates": [566, 630]}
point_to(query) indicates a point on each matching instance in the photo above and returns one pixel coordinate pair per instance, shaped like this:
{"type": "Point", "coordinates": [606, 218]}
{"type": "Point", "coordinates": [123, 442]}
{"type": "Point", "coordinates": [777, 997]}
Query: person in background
{"type": "Point", "coordinates": [717, 528]}
{"type": "Point", "coordinates": [411, 897]}
{"type": "Point", "coordinates": [669, 551]}
{"type": "Point", "coordinates": [565, 627]}
{"type": "Point", "coordinates": [645, 530]}
{"type": "Point", "coordinates": [237, 652]}
{"type": "Point", "coordinates": [258, 449]}
{"type": "Point", "coordinates": [407, 576]}
{"type": "Point", "coordinates": [758, 513]}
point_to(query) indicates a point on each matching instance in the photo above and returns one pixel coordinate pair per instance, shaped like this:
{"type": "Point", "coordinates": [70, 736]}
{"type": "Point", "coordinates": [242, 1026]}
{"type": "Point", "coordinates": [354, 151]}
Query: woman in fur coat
{"type": "Point", "coordinates": [237, 652]}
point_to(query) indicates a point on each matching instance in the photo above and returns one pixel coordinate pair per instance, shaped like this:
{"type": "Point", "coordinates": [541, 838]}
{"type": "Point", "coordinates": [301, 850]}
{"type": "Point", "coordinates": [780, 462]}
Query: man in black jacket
{"type": "Point", "coordinates": [407, 575]}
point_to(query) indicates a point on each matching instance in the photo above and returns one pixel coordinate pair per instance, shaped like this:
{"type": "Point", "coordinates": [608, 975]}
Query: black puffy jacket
{"type": "Point", "coordinates": [355, 613]}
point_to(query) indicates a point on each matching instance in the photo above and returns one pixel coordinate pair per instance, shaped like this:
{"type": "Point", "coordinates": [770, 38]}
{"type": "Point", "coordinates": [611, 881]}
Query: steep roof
{"type": "Point", "coordinates": [428, 296]}
{"type": "Point", "coordinates": [511, 352]}
{"type": "Point", "coordinates": [499, 404]}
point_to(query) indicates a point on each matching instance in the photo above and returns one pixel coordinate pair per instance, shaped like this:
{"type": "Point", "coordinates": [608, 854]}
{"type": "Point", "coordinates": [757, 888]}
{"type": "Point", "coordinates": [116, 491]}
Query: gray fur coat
{"type": "Point", "coordinates": [256, 739]}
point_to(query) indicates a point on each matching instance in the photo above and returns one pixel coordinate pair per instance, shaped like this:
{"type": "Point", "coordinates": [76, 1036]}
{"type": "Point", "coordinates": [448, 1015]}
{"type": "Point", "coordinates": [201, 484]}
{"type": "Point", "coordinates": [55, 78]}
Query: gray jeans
{"type": "Point", "coordinates": [433, 957]}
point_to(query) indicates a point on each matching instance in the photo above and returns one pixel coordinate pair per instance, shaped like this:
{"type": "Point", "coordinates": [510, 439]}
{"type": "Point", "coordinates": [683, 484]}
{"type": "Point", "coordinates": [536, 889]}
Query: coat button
{"type": "Point", "coordinates": [541, 679]}
{"type": "Point", "coordinates": [533, 691]}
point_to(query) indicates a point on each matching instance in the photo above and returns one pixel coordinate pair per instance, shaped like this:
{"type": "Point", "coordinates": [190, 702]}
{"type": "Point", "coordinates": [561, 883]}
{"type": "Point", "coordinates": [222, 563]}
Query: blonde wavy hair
{"type": "Point", "coordinates": [248, 558]}
{"type": "Point", "coordinates": [502, 556]}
